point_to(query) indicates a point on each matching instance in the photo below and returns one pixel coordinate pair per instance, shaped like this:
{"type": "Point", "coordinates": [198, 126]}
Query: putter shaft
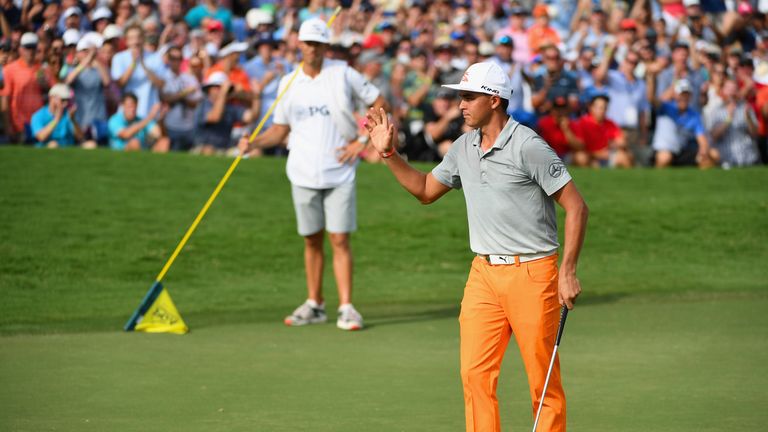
{"type": "Point", "coordinates": [560, 327]}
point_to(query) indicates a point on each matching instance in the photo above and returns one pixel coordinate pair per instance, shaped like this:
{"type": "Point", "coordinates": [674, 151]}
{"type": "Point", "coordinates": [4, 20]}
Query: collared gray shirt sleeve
{"type": "Point", "coordinates": [447, 172]}
{"type": "Point", "coordinates": [543, 165]}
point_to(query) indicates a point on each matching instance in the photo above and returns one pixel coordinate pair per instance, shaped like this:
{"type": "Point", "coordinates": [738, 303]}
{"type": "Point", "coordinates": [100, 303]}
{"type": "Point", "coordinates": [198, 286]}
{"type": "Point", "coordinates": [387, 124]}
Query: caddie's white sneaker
{"type": "Point", "coordinates": [308, 313]}
{"type": "Point", "coordinates": [349, 318]}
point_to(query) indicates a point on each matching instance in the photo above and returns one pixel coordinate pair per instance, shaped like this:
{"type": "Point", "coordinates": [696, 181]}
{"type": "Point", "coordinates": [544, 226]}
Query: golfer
{"type": "Point", "coordinates": [317, 111]}
{"type": "Point", "coordinates": [511, 179]}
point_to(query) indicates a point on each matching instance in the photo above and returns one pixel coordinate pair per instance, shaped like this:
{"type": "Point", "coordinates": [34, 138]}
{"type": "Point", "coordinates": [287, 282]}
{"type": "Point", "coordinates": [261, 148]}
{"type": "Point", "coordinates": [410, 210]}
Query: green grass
{"type": "Point", "coordinates": [669, 334]}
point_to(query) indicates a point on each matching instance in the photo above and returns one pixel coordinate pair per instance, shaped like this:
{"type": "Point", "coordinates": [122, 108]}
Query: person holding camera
{"type": "Point", "coordinates": [53, 125]}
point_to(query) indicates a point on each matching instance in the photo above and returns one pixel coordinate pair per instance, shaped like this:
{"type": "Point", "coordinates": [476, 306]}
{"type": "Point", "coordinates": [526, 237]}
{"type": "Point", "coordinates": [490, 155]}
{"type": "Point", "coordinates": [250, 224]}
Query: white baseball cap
{"type": "Point", "coordinates": [234, 47]}
{"type": "Point", "coordinates": [29, 39]}
{"type": "Point", "coordinates": [256, 17]}
{"type": "Point", "coordinates": [112, 31]}
{"type": "Point", "coordinates": [314, 30]}
{"type": "Point", "coordinates": [215, 79]}
{"type": "Point", "coordinates": [683, 86]}
{"type": "Point", "coordinates": [84, 44]}
{"type": "Point", "coordinates": [70, 37]}
{"type": "Point", "coordinates": [91, 40]}
{"type": "Point", "coordinates": [485, 77]}
{"type": "Point", "coordinates": [72, 10]}
{"type": "Point", "coordinates": [101, 13]}
{"type": "Point", "coordinates": [61, 91]}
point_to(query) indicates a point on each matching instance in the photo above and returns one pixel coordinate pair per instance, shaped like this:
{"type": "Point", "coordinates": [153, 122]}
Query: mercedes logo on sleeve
{"type": "Point", "coordinates": [556, 169]}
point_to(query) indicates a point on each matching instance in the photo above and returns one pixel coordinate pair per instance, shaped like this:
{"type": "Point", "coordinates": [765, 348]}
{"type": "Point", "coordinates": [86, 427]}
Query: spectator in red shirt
{"type": "Point", "coordinates": [559, 131]}
{"type": "Point", "coordinates": [604, 143]}
{"type": "Point", "coordinates": [25, 83]}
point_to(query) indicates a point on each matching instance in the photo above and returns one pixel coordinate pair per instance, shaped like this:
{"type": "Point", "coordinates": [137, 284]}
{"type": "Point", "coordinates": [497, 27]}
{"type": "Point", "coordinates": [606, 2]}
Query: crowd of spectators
{"type": "Point", "coordinates": [605, 82]}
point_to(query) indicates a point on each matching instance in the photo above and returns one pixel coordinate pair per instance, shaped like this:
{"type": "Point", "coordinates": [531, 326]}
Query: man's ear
{"type": "Point", "coordinates": [495, 102]}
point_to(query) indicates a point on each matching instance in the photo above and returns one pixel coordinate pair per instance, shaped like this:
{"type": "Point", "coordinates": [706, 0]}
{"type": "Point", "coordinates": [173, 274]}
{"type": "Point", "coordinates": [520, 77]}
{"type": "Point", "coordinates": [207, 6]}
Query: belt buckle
{"type": "Point", "coordinates": [502, 259]}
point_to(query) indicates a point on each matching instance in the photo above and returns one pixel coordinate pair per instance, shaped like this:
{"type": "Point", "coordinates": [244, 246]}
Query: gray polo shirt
{"type": "Point", "coordinates": [507, 190]}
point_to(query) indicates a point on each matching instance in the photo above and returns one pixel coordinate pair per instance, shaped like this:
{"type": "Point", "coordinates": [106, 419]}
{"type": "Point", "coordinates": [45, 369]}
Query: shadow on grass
{"type": "Point", "coordinates": [406, 317]}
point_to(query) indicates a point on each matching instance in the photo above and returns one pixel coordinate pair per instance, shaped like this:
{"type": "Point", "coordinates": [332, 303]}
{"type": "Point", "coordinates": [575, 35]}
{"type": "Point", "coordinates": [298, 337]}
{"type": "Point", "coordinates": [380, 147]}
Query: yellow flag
{"type": "Point", "coordinates": [162, 317]}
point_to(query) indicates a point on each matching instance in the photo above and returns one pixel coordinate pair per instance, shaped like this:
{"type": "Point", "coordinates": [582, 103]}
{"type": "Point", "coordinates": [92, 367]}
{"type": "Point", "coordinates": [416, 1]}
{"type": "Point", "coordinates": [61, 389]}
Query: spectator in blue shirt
{"type": "Point", "coordinates": [138, 71]}
{"type": "Point", "coordinates": [266, 69]}
{"type": "Point", "coordinates": [680, 138]}
{"type": "Point", "coordinates": [52, 125]}
{"type": "Point", "coordinates": [130, 132]}
{"type": "Point", "coordinates": [628, 106]}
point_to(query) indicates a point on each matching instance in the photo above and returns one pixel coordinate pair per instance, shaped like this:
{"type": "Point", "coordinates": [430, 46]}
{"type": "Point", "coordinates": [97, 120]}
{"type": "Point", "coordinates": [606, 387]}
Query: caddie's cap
{"type": "Point", "coordinates": [314, 30]}
{"type": "Point", "coordinates": [485, 77]}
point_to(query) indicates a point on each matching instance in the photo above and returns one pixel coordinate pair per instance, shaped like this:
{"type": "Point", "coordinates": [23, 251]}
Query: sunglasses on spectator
{"type": "Point", "coordinates": [174, 58]}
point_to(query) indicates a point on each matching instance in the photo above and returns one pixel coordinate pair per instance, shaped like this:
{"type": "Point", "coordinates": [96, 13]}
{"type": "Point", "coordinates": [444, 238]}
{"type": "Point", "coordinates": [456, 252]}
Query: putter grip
{"type": "Point", "coordinates": [561, 327]}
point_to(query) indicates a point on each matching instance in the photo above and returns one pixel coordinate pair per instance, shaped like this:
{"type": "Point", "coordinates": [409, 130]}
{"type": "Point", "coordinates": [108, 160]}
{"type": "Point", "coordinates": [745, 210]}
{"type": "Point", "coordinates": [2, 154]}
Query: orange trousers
{"type": "Point", "coordinates": [501, 301]}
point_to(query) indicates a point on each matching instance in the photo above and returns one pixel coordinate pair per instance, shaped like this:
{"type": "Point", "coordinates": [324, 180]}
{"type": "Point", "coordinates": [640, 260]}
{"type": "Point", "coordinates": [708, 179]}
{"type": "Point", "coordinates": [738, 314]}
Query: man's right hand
{"type": "Point", "coordinates": [382, 133]}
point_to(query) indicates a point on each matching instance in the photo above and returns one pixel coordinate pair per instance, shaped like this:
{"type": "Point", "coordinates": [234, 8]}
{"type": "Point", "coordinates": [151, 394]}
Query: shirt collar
{"type": "Point", "coordinates": [501, 140]}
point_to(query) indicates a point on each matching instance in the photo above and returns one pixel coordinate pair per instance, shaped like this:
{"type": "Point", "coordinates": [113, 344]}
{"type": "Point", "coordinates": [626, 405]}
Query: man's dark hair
{"type": "Point", "coordinates": [504, 103]}
{"type": "Point", "coordinates": [129, 96]}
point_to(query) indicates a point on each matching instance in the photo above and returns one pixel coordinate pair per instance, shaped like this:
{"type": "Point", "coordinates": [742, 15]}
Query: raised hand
{"type": "Point", "coordinates": [382, 133]}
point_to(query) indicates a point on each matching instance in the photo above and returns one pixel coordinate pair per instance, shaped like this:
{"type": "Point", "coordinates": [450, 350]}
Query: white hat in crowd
{"type": "Point", "coordinates": [232, 48]}
{"type": "Point", "coordinates": [256, 17]}
{"type": "Point", "coordinates": [101, 13]}
{"type": "Point", "coordinates": [90, 40]}
{"type": "Point", "coordinates": [683, 86]}
{"type": "Point", "coordinates": [111, 32]}
{"type": "Point", "coordinates": [70, 37]}
{"type": "Point", "coordinates": [60, 91]}
{"type": "Point", "coordinates": [486, 49]}
{"type": "Point", "coordinates": [84, 44]}
{"type": "Point", "coordinates": [28, 39]}
{"type": "Point", "coordinates": [215, 79]}
{"type": "Point", "coordinates": [485, 77]}
{"type": "Point", "coordinates": [72, 10]}
{"type": "Point", "coordinates": [314, 30]}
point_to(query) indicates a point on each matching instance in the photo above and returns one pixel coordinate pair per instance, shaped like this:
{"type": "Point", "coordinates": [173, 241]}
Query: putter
{"type": "Point", "coordinates": [563, 316]}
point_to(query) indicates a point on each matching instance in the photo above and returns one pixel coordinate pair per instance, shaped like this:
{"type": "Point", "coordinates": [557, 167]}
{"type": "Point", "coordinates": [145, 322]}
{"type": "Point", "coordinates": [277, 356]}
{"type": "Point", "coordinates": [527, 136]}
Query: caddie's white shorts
{"type": "Point", "coordinates": [334, 210]}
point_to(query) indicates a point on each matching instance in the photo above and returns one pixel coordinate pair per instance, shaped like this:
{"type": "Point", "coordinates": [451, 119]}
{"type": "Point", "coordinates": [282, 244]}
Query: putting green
{"type": "Point", "coordinates": [638, 364]}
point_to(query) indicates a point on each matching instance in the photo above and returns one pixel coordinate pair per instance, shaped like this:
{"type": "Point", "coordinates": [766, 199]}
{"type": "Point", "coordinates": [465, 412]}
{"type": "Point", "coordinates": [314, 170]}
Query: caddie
{"type": "Point", "coordinates": [511, 179]}
{"type": "Point", "coordinates": [315, 114]}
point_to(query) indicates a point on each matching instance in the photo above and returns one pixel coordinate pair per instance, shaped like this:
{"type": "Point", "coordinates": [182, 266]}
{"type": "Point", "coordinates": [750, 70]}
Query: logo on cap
{"type": "Point", "coordinates": [486, 88]}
